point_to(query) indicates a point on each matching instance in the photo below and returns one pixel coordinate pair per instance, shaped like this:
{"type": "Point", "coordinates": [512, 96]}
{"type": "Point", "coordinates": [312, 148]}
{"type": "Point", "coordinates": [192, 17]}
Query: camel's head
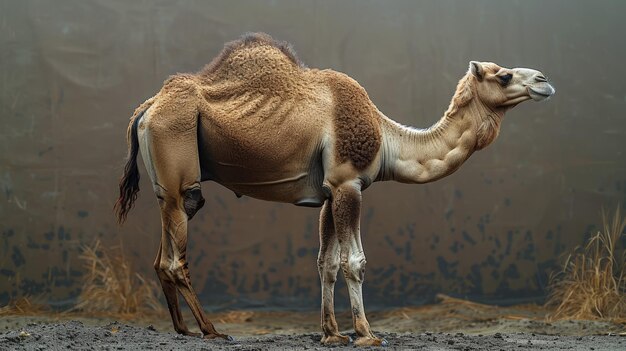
{"type": "Point", "coordinates": [500, 87]}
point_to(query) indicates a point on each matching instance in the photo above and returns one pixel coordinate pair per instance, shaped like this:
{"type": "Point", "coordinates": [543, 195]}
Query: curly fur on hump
{"type": "Point", "coordinates": [357, 128]}
{"type": "Point", "coordinates": [247, 40]}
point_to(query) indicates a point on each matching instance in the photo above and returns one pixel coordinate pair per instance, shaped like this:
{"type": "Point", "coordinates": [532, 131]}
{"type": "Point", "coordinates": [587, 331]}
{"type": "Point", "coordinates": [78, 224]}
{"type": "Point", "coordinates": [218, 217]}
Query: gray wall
{"type": "Point", "coordinates": [72, 72]}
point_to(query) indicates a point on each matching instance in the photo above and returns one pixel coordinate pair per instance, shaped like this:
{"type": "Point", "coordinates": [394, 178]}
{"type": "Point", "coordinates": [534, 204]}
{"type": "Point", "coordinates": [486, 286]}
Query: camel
{"type": "Point", "coordinates": [260, 123]}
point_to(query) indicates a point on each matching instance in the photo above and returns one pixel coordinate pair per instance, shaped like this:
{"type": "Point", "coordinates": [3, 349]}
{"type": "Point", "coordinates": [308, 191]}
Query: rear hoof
{"type": "Point", "coordinates": [369, 341]}
{"type": "Point", "coordinates": [215, 336]}
{"type": "Point", "coordinates": [188, 333]}
{"type": "Point", "coordinates": [336, 340]}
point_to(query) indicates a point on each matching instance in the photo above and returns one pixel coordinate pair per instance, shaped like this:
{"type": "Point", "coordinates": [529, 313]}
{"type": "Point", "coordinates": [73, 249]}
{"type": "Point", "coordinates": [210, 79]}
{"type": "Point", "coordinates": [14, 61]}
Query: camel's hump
{"type": "Point", "coordinates": [269, 48]}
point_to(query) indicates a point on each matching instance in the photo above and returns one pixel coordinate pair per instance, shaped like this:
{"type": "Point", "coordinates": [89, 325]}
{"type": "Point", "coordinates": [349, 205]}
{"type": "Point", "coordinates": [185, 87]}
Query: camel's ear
{"type": "Point", "coordinates": [477, 69]}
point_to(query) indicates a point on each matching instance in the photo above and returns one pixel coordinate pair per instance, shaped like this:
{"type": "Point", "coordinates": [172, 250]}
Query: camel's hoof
{"type": "Point", "coordinates": [336, 339]}
{"type": "Point", "coordinates": [214, 336]}
{"type": "Point", "coordinates": [188, 333]}
{"type": "Point", "coordinates": [369, 341]}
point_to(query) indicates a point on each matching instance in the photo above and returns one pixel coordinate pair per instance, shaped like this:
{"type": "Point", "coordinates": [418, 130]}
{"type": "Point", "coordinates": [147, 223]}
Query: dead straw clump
{"type": "Point", "coordinates": [24, 306]}
{"type": "Point", "coordinates": [111, 288]}
{"type": "Point", "coordinates": [592, 284]}
{"type": "Point", "coordinates": [236, 317]}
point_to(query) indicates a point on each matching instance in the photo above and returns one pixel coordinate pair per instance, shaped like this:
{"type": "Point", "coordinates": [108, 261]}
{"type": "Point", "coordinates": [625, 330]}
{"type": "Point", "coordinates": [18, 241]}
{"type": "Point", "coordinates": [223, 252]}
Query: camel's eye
{"type": "Point", "coordinates": [505, 79]}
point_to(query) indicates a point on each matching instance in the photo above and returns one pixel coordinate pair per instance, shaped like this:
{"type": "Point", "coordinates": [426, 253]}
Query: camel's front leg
{"type": "Point", "coordinates": [346, 207]}
{"type": "Point", "coordinates": [328, 266]}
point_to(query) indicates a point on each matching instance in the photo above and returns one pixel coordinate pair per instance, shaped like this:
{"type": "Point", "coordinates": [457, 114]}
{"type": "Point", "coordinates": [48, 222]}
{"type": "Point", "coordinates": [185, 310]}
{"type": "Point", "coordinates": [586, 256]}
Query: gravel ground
{"type": "Point", "coordinates": [74, 335]}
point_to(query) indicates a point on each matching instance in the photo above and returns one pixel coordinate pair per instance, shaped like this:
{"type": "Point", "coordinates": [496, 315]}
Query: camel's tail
{"type": "Point", "coordinates": [129, 183]}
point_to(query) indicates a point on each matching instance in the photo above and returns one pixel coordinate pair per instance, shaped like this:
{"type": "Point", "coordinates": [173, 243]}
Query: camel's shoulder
{"type": "Point", "coordinates": [346, 86]}
{"type": "Point", "coordinates": [356, 121]}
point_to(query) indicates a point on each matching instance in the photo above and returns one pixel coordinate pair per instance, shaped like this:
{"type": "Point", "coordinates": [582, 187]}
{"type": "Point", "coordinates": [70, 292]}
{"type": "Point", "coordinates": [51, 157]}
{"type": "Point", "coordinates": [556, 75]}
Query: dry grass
{"type": "Point", "coordinates": [451, 310]}
{"type": "Point", "coordinates": [111, 288]}
{"type": "Point", "coordinates": [592, 284]}
{"type": "Point", "coordinates": [26, 305]}
{"type": "Point", "coordinates": [236, 317]}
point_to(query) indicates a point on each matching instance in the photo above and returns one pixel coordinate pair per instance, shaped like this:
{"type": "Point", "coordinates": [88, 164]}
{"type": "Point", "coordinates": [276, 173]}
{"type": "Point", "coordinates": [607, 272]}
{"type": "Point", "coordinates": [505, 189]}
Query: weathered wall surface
{"type": "Point", "coordinates": [71, 73]}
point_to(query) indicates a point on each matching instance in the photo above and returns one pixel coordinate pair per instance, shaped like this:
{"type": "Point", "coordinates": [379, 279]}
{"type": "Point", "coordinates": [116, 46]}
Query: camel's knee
{"type": "Point", "coordinates": [170, 202]}
{"type": "Point", "coordinates": [328, 270]}
{"type": "Point", "coordinates": [353, 267]}
{"type": "Point", "coordinates": [170, 271]}
{"type": "Point", "coordinates": [164, 269]}
{"type": "Point", "coordinates": [193, 201]}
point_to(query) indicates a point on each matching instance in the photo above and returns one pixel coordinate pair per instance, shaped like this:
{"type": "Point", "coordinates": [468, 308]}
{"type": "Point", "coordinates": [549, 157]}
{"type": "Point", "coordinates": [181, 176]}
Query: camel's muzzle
{"type": "Point", "coordinates": [541, 90]}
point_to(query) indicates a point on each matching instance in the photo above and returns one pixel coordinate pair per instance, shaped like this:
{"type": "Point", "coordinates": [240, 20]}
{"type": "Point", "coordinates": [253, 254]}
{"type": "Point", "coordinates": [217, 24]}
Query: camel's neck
{"type": "Point", "coordinates": [424, 155]}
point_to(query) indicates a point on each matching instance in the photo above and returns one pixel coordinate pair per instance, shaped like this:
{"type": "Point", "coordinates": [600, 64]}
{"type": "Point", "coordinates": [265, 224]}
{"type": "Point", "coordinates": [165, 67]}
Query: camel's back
{"type": "Point", "coordinates": [257, 82]}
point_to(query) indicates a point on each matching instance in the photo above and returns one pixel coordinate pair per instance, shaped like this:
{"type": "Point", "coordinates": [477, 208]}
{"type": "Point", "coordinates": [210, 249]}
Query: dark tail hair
{"type": "Point", "coordinates": [129, 183]}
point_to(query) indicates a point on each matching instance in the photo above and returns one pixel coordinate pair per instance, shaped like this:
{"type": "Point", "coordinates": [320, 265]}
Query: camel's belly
{"type": "Point", "coordinates": [289, 174]}
{"type": "Point", "coordinates": [301, 189]}
{"type": "Point", "coordinates": [301, 186]}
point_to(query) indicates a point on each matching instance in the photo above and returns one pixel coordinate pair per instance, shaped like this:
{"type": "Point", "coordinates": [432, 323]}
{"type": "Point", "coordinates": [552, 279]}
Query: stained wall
{"type": "Point", "coordinates": [72, 72]}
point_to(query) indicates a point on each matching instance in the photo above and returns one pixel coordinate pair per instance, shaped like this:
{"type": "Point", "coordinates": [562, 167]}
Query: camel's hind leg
{"type": "Point", "coordinates": [172, 266]}
{"type": "Point", "coordinates": [171, 157]}
{"type": "Point", "coordinates": [171, 296]}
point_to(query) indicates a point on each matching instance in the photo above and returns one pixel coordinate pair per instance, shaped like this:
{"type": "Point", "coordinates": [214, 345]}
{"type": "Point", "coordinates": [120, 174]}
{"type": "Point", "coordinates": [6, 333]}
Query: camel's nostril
{"type": "Point", "coordinates": [541, 78]}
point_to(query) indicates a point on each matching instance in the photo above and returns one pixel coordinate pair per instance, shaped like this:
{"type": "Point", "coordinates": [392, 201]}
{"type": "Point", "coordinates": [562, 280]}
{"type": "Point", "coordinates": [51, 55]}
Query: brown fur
{"type": "Point", "coordinates": [488, 130]}
{"type": "Point", "coordinates": [255, 67]}
{"type": "Point", "coordinates": [357, 124]}
{"type": "Point", "coordinates": [251, 39]}
{"type": "Point", "coordinates": [462, 96]}
{"type": "Point", "coordinates": [176, 106]}
{"type": "Point", "coordinates": [139, 110]}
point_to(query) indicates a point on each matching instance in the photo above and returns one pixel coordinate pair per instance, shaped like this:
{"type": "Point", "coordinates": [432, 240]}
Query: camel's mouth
{"type": "Point", "coordinates": [541, 91]}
